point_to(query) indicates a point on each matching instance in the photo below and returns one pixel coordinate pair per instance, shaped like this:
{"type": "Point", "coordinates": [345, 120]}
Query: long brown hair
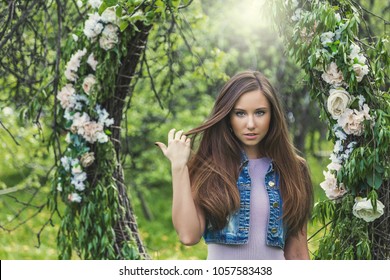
{"type": "Point", "coordinates": [214, 167]}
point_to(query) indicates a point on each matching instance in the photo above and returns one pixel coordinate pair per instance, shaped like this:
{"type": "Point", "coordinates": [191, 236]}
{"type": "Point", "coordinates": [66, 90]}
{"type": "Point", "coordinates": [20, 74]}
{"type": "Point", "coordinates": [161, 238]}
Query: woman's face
{"type": "Point", "coordinates": [250, 119]}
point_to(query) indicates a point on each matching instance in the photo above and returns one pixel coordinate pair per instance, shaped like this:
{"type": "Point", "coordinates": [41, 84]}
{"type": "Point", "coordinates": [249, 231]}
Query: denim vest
{"type": "Point", "coordinates": [237, 229]}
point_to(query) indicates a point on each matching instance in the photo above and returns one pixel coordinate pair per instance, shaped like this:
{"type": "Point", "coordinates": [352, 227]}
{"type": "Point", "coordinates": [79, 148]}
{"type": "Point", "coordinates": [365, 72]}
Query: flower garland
{"type": "Point", "coordinates": [323, 39]}
{"type": "Point", "coordinates": [86, 123]}
{"type": "Point", "coordinates": [349, 112]}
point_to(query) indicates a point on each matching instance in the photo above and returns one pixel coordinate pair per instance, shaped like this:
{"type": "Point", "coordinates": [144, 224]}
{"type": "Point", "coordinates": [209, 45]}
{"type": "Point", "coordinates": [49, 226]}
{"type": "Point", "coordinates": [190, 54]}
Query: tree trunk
{"type": "Point", "coordinates": [380, 228]}
{"type": "Point", "coordinates": [115, 107]}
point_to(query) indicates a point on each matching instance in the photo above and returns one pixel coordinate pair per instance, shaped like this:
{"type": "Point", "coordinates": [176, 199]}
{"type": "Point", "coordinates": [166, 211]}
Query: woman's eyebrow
{"type": "Point", "coordinates": [260, 108]}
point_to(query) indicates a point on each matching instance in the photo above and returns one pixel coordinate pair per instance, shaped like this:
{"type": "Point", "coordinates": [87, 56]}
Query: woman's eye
{"type": "Point", "coordinates": [240, 114]}
{"type": "Point", "coordinates": [260, 113]}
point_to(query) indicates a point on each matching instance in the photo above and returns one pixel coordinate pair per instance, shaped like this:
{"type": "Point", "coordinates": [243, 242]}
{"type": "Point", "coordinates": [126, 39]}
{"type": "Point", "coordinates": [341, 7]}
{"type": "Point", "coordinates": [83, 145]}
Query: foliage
{"type": "Point", "coordinates": [325, 42]}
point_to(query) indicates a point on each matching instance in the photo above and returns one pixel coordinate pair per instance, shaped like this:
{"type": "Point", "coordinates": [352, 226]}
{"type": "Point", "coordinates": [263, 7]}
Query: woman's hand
{"type": "Point", "coordinates": [179, 148]}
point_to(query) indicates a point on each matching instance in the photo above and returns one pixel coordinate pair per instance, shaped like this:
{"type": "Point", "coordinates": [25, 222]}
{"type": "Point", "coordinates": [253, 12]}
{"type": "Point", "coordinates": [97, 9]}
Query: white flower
{"type": "Point", "coordinates": [59, 187]}
{"type": "Point", "coordinates": [87, 159]}
{"type": "Point", "coordinates": [73, 65]}
{"type": "Point", "coordinates": [76, 169]}
{"type": "Point", "coordinates": [93, 27]}
{"type": "Point", "coordinates": [334, 166]}
{"type": "Point", "coordinates": [66, 95]}
{"type": "Point", "coordinates": [79, 3]}
{"type": "Point", "coordinates": [78, 181]}
{"type": "Point", "coordinates": [351, 120]}
{"type": "Point", "coordinates": [65, 162]}
{"type": "Point", "coordinates": [297, 15]}
{"type": "Point", "coordinates": [340, 135]}
{"type": "Point", "coordinates": [92, 131]}
{"type": "Point", "coordinates": [68, 114]}
{"type": "Point", "coordinates": [338, 17]}
{"type": "Point", "coordinates": [78, 122]}
{"type": "Point", "coordinates": [103, 116]}
{"type": "Point", "coordinates": [102, 137]}
{"type": "Point", "coordinates": [332, 190]}
{"type": "Point", "coordinates": [338, 101]}
{"type": "Point", "coordinates": [363, 209]}
{"type": "Point", "coordinates": [338, 147]}
{"type": "Point", "coordinates": [92, 62]}
{"type": "Point", "coordinates": [75, 37]}
{"type": "Point", "coordinates": [88, 83]}
{"type": "Point", "coordinates": [327, 37]}
{"type": "Point", "coordinates": [109, 16]}
{"type": "Point", "coordinates": [95, 3]}
{"type": "Point", "coordinates": [74, 197]}
{"type": "Point", "coordinates": [360, 71]}
{"type": "Point", "coordinates": [332, 75]}
{"type": "Point", "coordinates": [356, 54]}
{"type": "Point", "coordinates": [109, 37]}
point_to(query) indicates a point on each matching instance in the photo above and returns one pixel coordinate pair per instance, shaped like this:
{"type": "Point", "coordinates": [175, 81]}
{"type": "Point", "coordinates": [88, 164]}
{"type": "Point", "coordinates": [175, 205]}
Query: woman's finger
{"type": "Point", "coordinates": [161, 146]}
{"type": "Point", "coordinates": [178, 134]}
{"type": "Point", "coordinates": [171, 134]}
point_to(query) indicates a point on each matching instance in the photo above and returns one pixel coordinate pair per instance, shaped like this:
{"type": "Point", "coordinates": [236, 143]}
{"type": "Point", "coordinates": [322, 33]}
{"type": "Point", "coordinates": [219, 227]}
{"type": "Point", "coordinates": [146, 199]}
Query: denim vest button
{"type": "Point", "coordinates": [275, 204]}
{"type": "Point", "coordinates": [271, 183]}
{"type": "Point", "coordinates": [274, 230]}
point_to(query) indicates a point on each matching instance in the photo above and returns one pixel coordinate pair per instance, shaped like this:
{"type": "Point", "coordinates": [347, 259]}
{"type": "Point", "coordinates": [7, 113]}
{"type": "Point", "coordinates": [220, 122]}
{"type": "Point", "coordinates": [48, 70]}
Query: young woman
{"type": "Point", "coordinates": [245, 189]}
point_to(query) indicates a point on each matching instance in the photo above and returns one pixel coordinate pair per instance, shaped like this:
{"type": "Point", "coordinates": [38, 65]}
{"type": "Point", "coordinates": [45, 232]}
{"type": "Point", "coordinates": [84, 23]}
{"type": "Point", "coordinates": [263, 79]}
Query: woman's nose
{"type": "Point", "coordinates": [250, 123]}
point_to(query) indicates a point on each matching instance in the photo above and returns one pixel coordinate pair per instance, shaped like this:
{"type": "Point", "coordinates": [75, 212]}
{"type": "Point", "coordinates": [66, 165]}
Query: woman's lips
{"type": "Point", "coordinates": [250, 136]}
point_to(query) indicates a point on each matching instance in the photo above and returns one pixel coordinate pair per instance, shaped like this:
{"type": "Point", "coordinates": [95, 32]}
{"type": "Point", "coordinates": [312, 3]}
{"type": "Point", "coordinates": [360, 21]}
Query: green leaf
{"type": "Point", "coordinates": [110, 3]}
{"type": "Point", "coordinates": [374, 181]}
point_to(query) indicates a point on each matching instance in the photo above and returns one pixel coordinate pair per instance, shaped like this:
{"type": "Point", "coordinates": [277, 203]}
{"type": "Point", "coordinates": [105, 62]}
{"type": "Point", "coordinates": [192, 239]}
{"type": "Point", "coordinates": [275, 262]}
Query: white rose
{"type": "Point", "coordinates": [87, 159]}
{"type": "Point", "coordinates": [360, 71]}
{"type": "Point", "coordinates": [65, 96]}
{"type": "Point", "coordinates": [93, 27]}
{"type": "Point", "coordinates": [109, 37]}
{"type": "Point", "coordinates": [332, 190]}
{"type": "Point", "coordinates": [332, 75]}
{"type": "Point", "coordinates": [363, 209]}
{"type": "Point", "coordinates": [88, 83]}
{"type": "Point", "coordinates": [338, 100]}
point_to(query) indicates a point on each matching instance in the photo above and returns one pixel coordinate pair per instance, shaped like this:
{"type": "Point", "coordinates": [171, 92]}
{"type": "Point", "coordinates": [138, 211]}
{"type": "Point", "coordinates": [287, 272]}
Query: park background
{"type": "Point", "coordinates": [216, 40]}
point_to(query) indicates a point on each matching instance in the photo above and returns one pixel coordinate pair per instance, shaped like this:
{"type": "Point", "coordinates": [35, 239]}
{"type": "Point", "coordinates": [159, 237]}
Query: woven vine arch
{"type": "Point", "coordinates": [347, 77]}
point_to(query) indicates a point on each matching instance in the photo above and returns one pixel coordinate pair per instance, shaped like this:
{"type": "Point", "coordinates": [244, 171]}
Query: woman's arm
{"type": "Point", "coordinates": [187, 218]}
{"type": "Point", "coordinates": [296, 246]}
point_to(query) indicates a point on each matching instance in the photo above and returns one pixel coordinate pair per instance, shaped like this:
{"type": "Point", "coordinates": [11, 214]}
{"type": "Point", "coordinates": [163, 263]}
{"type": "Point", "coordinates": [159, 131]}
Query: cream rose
{"type": "Point", "coordinates": [87, 159]}
{"type": "Point", "coordinates": [332, 190]}
{"type": "Point", "coordinates": [360, 71]}
{"type": "Point", "coordinates": [338, 100]}
{"type": "Point", "coordinates": [363, 209]}
{"type": "Point", "coordinates": [332, 75]}
{"type": "Point", "coordinates": [109, 37]}
{"type": "Point", "coordinates": [88, 83]}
